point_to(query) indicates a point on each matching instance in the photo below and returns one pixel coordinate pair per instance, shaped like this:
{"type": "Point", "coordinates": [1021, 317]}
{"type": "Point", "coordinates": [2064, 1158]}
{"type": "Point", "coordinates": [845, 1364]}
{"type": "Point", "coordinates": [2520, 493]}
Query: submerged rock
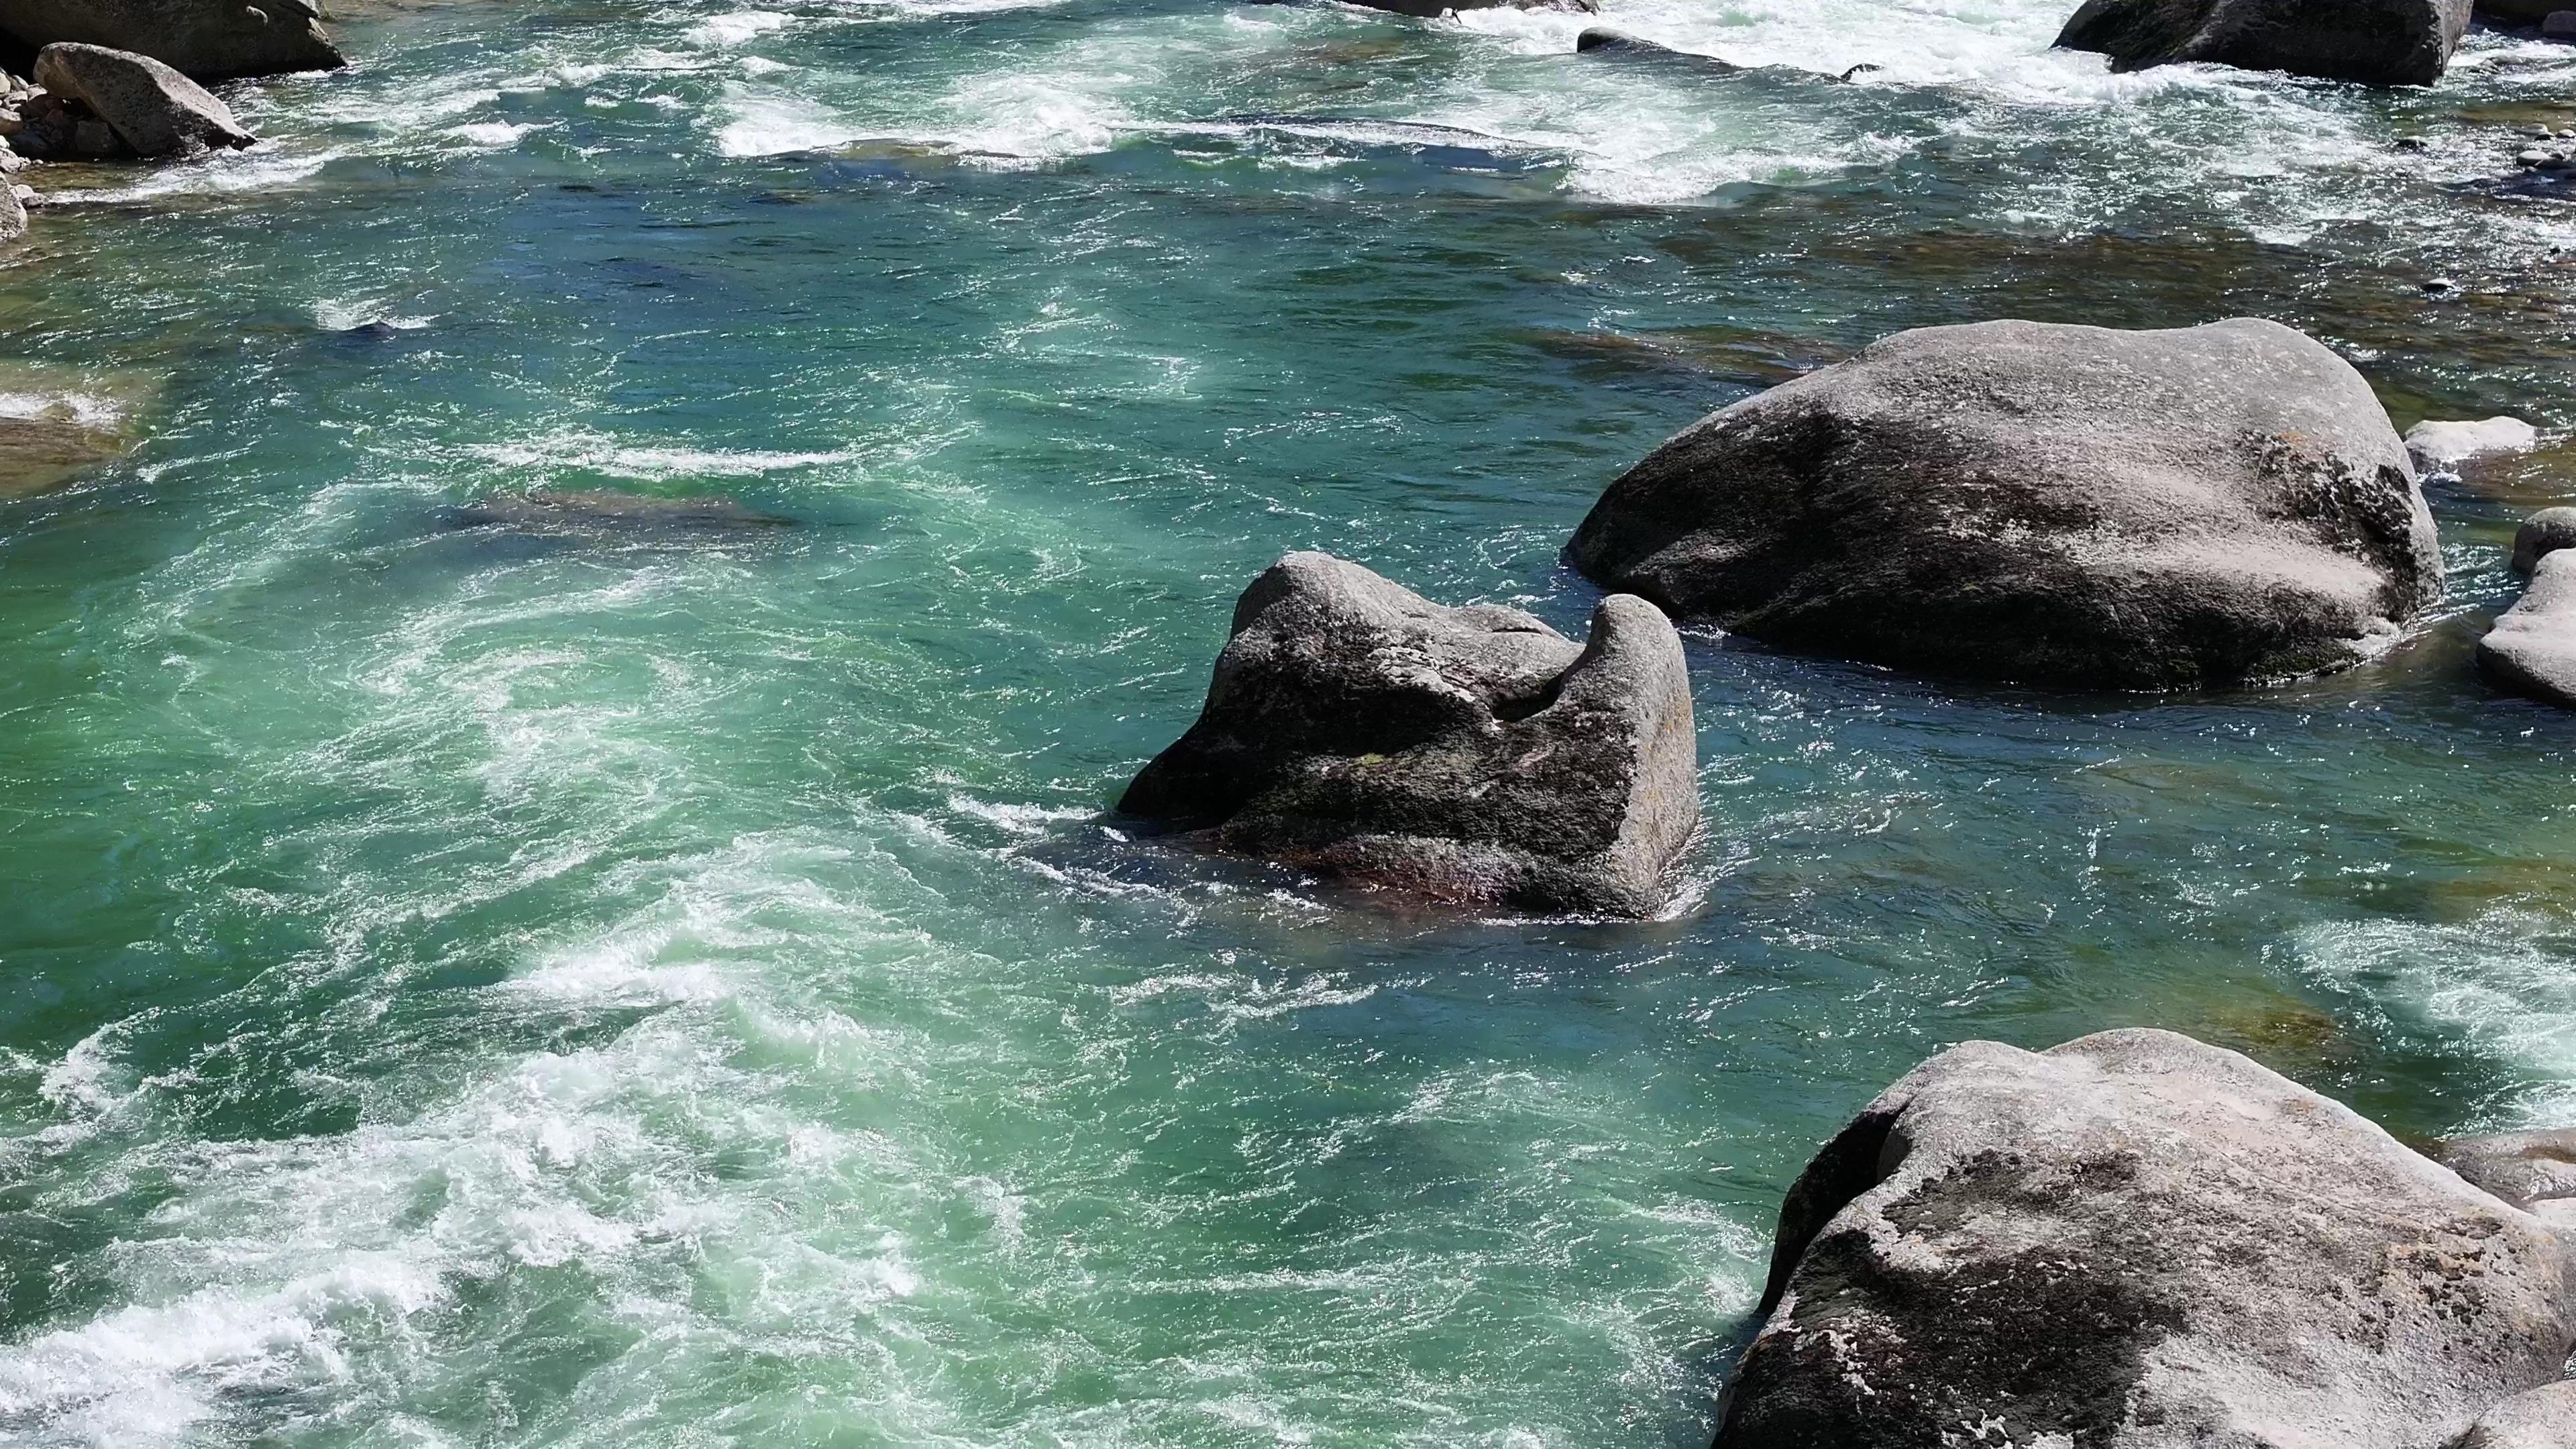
{"type": "Point", "coordinates": [2043, 503]}
{"type": "Point", "coordinates": [1433, 9]}
{"type": "Point", "coordinates": [2543, 533]}
{"type": "Point", "coordinates": [2383, 42]}
{"type": "Point", "coordinates": [2531, 651]}
{"type": "Point", "coordinates": [1611, 43]}
{"type": "Point", "coordinates": [2542, 1419]}
{"type": "Point", "coordinates": [603, 509]}
{"type": "Point", "coordinates": [2534, 1171]}
{"type": "Point", "coordinates": [207, 39]}
{"type": "Point", "coordinates": [57, 423]}
{"type": "Point", "coordinates": [1473, 755]}
{"type": "Point", "coordinates": [2435, 446]}
{"type": "Point", "coordinates": [2137, 1240]}
{"type": "Point", "coordinates": [154, 110]}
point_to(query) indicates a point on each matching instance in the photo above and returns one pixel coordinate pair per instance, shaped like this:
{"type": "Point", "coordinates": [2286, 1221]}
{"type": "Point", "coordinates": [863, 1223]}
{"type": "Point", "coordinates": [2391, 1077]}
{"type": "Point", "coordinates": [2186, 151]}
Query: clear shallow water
{"type": "Point", "coordinates": [471, 990]}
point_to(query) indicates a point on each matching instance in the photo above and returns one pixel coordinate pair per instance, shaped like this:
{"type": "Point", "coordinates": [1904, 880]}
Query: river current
{"type": "Point", "coordinates": [472, 989]}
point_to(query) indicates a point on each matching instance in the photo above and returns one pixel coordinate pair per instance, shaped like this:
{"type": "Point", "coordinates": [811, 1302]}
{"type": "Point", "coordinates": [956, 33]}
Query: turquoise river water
{"type": "Point", "coordinates": [467, 989]}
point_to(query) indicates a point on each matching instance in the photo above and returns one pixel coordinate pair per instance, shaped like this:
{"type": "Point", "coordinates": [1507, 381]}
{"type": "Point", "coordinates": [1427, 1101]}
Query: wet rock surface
{"type": "Point", "coordinates": [2384, 42]}
{"type": "Point", "coordinates": [2049, 504]}
{"type": "Point", "coordinates": [2136, 1239]}
{"type": "Point", "coordinates": [206, 39]}
{"type": "Point", "coordinates": [1473, 755]}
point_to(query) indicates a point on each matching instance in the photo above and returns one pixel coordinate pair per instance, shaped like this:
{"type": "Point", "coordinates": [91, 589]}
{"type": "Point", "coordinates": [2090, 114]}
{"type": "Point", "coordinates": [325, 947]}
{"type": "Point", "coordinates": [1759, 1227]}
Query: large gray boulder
{"type": "Point", "coordinates": [2542, 1419]}
{"type": "Point", "coordinates": [1470, 755]}
{"type": "Point", "coordinates": [2137, 1240]}
{"type": "Point", "coordinates": [207, 39]}
{"type": "Point", "coordinates": [2050, 504]}
{"type": "Point", "coordinates": [2518, 12]}
{"type": "Point", "coordinates": [153, 109]}
{"type": "Point", "coordinates": [2383, 42]}
{"type": "Point", "coordinates": [2534, 1171]}
{"type": "Point", "coordinates": [2531, 651]}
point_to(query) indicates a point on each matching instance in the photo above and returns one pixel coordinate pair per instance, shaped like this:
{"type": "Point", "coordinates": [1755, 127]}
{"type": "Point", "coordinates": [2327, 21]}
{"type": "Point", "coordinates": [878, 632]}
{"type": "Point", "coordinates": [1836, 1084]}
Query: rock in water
{"type": "Point", "coordinates": [1432, 9]}
{"type": "Point", "coordinates": [2136, 1240]}
{"type": "Point", "coordinates": [2541, 1419]}
{"type": "Point", "coordinates": [2061, 505]}
{"type": "Point", "coordinates": [1614, 44]}
{"type": "Point", "coordinates": [2541, 535]}
{"type": "Point", "coordinates": [1469, 755]}
{"type": "Point", "coordinates": [207, 39]}
{"type": "Point", "coordinates": [2535, 1171]}
{"type": "Point", "coordinates": [152, 108]}
{"type": "Point", "coordinates": [2383, 42]}
{"type": "Point", "coordinates": [2531, 651]}
{"type": "Point", "coordinates": [2438, 445]}
{"type": "Point", "coordinates": [13, 213]}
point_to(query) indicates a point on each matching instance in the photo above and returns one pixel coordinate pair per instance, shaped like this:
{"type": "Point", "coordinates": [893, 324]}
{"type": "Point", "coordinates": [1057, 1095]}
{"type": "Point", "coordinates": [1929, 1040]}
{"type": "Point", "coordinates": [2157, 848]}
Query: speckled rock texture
{"type": "Point", "coordinates": [1473, 756]}
{"type": "Point", "coordinates": [2534, 1171]}
{"type": "Point", "coordinates": [153, 109]}
{"type": "Point", "coordinates": [2531, 651]}
{"type": "Point", "coordinates": [2071, 506]}
{"type": "Point", "coordinates": [2138, 1240]}
{"type": "Point", "coordinates": [2541, 1419]}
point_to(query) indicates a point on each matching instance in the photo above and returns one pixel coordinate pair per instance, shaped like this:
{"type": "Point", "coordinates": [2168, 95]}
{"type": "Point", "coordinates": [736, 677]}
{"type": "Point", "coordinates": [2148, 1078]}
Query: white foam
{"type": "Point", "coordinates": [87, 409]}
{"type": "Point", "coordinates": [766, 123]}
{"type": "Point", "coordinates": [495, 135]}
{"type": "Point", "coordinates": [341, 314]}
{"type": "Point", "coordinates": [738, 27]}
{"type": "Point", "coordinates": [2502, 986]}
{"type": "Point", "coordinates": [600, 453]}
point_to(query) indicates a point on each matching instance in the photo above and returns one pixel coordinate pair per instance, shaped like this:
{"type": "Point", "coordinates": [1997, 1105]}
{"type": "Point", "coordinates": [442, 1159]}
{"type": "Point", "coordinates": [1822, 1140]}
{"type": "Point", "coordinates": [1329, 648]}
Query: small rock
{"type": "Point", "coordinates": [2438, 447]}
{"type": "Point", "coordinates": [153, 109]}
{"type": "Point", "coordinates": [2535, 1171]}
{"type": "Point", "coordinates": [1473, 756]}
{"type": "Point", "coordinates": [1611, 43]}
{"type": "Point", "coordinates": [2531, 651]}
{"type": "Point", "coordinates": [2542, 1419]}
{"type": "Point", "coordinates": [2561, 25]}
{"type": "Point", "coordinates": [2532, 158]}
{"type": "Point", "coordinates": [2543, 533]}
{"type": "Point", "coordinates": [2409, 143]}
{"type": "Point", "coordinates": [2439, 286]}
{"type": "Point", "coordinates": [13, 216]}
